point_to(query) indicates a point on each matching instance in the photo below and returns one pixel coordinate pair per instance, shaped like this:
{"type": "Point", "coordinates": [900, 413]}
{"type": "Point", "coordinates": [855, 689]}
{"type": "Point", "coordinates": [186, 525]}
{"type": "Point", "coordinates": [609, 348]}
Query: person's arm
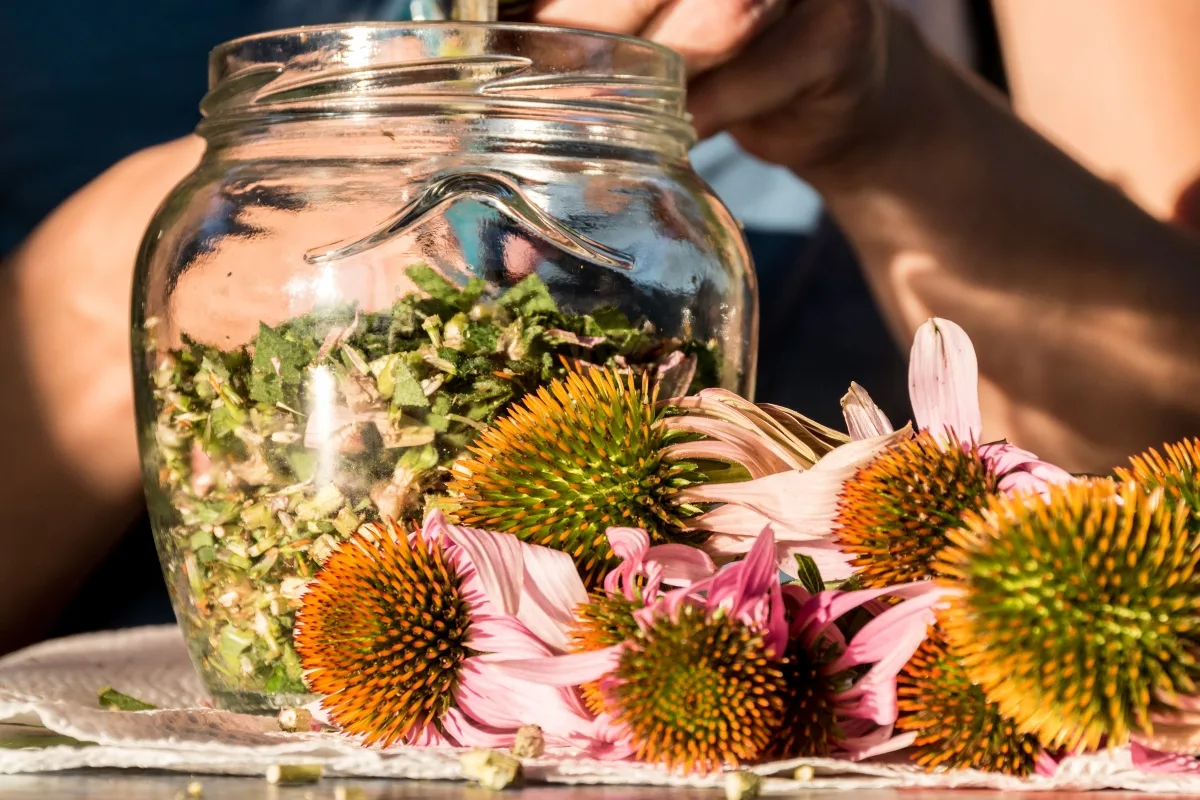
{"type": "Point", "coordinates": [1117, 85]}
{"type": "Point", "coordinates": [1080, 303]}
{"type": "Point", "coordinates": [70, 483]}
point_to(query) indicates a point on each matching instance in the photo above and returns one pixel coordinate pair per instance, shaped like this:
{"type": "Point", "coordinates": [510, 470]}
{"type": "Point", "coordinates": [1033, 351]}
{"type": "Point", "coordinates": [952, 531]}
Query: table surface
{"type": "Point", "coordinates": [128, 785]}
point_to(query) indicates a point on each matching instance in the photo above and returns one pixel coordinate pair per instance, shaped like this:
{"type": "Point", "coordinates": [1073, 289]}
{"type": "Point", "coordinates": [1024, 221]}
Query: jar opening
{"type": "Point", "coordinates": [414, 68]}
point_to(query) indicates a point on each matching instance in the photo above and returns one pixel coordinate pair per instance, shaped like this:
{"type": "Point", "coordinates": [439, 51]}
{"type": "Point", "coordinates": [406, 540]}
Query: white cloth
{"type": "Point", "coordinates": [53, 686]}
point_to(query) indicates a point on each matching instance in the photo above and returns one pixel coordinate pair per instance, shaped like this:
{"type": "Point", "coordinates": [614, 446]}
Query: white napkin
{"type": "Point", "coordinates": [51, 688]}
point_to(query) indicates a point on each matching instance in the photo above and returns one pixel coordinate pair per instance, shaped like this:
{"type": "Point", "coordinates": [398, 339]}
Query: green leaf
{"type": "Point", "coordinates": [406, 389]}
{"type": "Point", "coordinates": [429, 281]}
{"type": "Point", "coordinates": [808, 575]}
{"type": "Point", "coordinates": [112, 700]}
{"type": "Point", "coordinates": [276, 372]}
{"type": "Point", "coordinates": [530, 296]}
{"type": "Point", "coordinates": [610, 319]}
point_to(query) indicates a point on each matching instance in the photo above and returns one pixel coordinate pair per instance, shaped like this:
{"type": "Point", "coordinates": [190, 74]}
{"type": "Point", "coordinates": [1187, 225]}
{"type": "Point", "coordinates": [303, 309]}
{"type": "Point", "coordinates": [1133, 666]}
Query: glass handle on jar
{"type": "Point", "coordinates": [495, 190]}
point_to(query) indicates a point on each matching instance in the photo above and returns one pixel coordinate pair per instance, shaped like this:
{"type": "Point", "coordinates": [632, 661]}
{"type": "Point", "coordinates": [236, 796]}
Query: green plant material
{"type": "Point", "coordinates": [294, 773]}
{"type": "Point", "coordinates": [246, 509]}
{"type": "Point", "coordinates": [491, 769]}
{"type": "Point", "coordinates": [807, 574]}
{"type": "Point", "coordinates": [1078, 613]}
{"type": "Point", "coordinates": [112, 700]}
{"type": "Point", "coordinates": [742, 785]}
{"type": "Point", "coordinates": [529, 743]}
{"type": "Point", "coordinates": [15, 736]}
{"type": "Point", "coordinates": [698, 693]}
{"type": "Point", "coordinates": [565, 464]}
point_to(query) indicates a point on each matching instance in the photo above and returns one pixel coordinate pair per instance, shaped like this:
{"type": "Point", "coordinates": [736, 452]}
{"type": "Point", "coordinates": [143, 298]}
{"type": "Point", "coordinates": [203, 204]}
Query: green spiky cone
{"type": "Point", "coordinates": [566, 463]}
{"type": "Point", "coordinates": [698, 693]}
{"type": "Point", "coordinates": [1176, 471]}
{"type": "Point", "coordinates": [894, 514]}
{"type": "Point", "coordinates": [1078, 612]}
{"type": "Point", "coordinates": [957, 726]}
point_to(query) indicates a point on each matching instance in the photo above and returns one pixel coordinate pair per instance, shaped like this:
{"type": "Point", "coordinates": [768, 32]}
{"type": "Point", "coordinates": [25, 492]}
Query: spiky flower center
{"type": "Point", "coordinates": [1080, 612]}
{"type": "Point", "coordinates": [894, 514]}
{"type": "Point", "coordinates": [699, 693]}
{"type": "Point", "coordinates": [605, 620]}
{"type": "Point", "coordinates": [565, 464]}
{"type": "Point", "coordinates": [956, 725]}
{"type": "Point", "coordinates": [1177, 471]}
{"type": "Point", "coordinates": [809, 724]}
{"type": "Point", "coordinates": [382, 634]}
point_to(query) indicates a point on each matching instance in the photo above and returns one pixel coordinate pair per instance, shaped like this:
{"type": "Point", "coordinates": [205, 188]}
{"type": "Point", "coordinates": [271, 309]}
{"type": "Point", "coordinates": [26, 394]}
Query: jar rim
{"type": "Point", "coordinates": [377, 24]}
{"type": "Point", "coordinates": [415, 68]}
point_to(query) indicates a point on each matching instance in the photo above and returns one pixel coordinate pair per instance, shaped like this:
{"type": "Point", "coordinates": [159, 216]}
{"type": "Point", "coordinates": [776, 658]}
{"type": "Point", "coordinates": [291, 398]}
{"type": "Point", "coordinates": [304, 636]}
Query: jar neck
{"type": "Point", "coordinates": [447, 128]}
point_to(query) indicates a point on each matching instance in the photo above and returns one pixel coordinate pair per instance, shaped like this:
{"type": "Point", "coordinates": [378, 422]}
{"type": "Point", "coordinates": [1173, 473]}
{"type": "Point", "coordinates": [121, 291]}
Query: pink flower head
{"type": "Point", "coordinates": [641, 678]}
{"type": "Point", "coordinates": [439, 607]}
{"type": "Point", "coordinates": [798, 469]}
{"type": "Point", "coordinates": [943, 383]}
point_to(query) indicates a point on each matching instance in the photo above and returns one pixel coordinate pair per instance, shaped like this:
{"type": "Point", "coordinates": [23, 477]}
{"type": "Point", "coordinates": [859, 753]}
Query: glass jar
{"type": "Point", "coordinates": [395, 231]}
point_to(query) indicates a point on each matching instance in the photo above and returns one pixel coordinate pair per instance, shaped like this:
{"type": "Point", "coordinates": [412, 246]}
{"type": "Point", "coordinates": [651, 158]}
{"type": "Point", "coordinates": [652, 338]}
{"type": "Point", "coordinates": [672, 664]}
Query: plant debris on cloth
{"type": "Point", "coordinates": [272, 454]}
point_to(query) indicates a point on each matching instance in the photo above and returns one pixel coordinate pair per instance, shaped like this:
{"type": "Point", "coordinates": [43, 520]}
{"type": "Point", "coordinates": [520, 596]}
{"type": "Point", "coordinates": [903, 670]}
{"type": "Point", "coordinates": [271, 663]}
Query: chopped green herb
{"type": "Point", "coordinates": [270, 455]}
{"type": "Point", "coordinates": [112, 700]}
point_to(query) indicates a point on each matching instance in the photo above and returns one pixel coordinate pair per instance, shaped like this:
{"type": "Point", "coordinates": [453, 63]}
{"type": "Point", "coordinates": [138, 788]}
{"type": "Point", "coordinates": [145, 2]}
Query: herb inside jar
{"type": "Point", "coordinates": [272, 454]}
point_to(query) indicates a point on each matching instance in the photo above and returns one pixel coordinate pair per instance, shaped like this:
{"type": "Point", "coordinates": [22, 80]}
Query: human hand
{"type": "Point", "coordinates": [797, 82]}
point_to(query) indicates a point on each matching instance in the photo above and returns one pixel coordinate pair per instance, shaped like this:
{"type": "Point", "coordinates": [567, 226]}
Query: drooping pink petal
{"type": "Point", "coordinates": [506, 635]}
{"type": "Point", "coordinates": [493, 698]}
{"type": "Point", "coordinates": [823, 609]}
{"type": "Point", "coordinates": [877, 743]}
{"type": "Point", "coordinates": [943, 382]}
{"type": "Point", "coordinates": [630, 545]}
{"type": "Point", "coordinates": [805, 502]}
{"type": "Point", "coordinates": [1150, 760]}
{"type": "Point", "coordinates": [463, 732]}
{"type": "Point", "coordinates": [889, 640]}
{"type": "Point", "coordinates": [681, 564]}
{"type": "Point", "coordinates": [497, 559]}
{"type": "Point", "coordinates": [572, 669]}
{"type": "Point", "coordinates": [551, 589]}
{"type": "Point", "coordinates": [1045, 764]}
{"type": "Point", "coordinates": [864, 419]}
{"type": "Point", "coordinates": [1022, 471]}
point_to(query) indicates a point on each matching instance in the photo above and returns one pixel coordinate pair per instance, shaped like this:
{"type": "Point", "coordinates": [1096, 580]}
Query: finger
{"type": "Point", "coordinates": [708, 33]}
{"type": "Point", "coordinates": [611, 16]}
{"type": "Point", "coordinates": [813, 50]}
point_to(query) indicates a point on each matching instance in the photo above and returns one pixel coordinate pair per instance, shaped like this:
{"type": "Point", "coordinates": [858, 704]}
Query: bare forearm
{"type": "Point", "coordinates": [1079, 302]}
{"type": "Point", "coordinates": [69, 477]}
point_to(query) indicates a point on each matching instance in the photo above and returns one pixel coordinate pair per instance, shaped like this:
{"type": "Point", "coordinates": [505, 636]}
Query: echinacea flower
{"type": "Point", "coordinates": [882, 503]}
{"type": "Point", "coordinates": [1078, 613]}
{"type": "Point", "coordinates": [735, 669]}
{"type": "Point", "coordinates": [566, 463]}
{"type": "Point", "coordinates": [398, 630]}
{"type": "Point", "coordinates": [956, 726]}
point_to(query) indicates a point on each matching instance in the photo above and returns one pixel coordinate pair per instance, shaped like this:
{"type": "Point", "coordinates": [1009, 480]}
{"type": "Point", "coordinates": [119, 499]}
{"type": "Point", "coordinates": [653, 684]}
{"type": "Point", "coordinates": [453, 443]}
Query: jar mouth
{"type": "Point", "coordinates": [413, 68]}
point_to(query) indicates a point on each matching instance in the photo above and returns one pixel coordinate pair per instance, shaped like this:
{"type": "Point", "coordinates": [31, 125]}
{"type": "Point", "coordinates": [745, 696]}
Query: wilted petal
{"type": "Point", "coordinates": [681, 564]}
{"type": "Point", "coordinates": [877, 743]}
{"type": "Point", "coordinates": [1022, 471]}
{"type": "Point", "coordinates": [1145, 758]}
{"type": "Point", "coordinates": [497, 559]}
{"type": "Point", "coordinates": [551, 590]}
{"type": "Point", "coordinates": [796, 440]}
{"type": "Point", "coordinates": [630, 545]}
{"type": "Point", "coordinates": [864, 419]}
{"type": "Point", "coordinates": [943, 382]}
{"type": "Point", "coordinates": [805, 502]}
{"type": "Point", "coordinates": [572, 669]}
